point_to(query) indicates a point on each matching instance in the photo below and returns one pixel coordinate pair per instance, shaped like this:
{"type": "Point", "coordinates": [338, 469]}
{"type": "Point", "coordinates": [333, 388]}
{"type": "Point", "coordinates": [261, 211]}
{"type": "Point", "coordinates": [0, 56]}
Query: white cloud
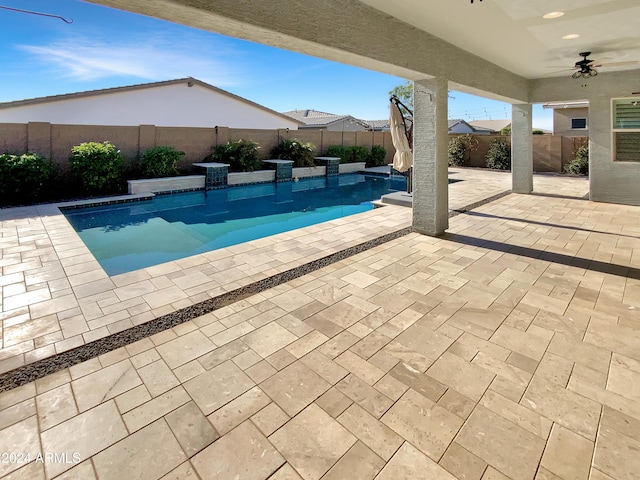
{"type": "Point", "coordinates": [158, 58]}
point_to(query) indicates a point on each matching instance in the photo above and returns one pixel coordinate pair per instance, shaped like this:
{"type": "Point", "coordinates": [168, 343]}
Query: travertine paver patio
{"type": "Point", "coordinates": [506, 349]}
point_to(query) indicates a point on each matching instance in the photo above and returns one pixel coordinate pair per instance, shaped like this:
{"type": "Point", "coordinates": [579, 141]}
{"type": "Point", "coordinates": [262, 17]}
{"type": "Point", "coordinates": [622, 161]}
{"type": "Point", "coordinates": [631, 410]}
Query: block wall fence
{"type": "Point", "coordinates": [55, 141]}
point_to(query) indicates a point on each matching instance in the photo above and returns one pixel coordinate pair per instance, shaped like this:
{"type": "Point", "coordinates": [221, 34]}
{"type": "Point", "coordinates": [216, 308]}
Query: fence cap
{"type": "Point", "coordinates": [210, 165]}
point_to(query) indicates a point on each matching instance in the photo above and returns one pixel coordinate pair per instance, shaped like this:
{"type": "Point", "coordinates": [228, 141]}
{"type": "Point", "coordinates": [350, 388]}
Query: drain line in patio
{"type": "Point", "coordinates": [41, 368]}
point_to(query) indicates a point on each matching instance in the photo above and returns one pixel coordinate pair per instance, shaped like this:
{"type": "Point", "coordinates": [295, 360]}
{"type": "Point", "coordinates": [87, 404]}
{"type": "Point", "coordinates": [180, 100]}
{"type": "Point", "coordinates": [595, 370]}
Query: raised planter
{"type": "Point", "coordinates": [258, 176]}
{"type": "Point", "coordinates": [166, 184]}
{"type": "Point", "coordinates": [306, 172]}
{"type": "Point", "coordinates": [354, 167]}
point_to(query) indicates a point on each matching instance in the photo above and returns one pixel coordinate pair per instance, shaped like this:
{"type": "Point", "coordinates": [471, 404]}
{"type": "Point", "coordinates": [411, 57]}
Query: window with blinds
{"type": "Point", "coordinates": [626, 129]}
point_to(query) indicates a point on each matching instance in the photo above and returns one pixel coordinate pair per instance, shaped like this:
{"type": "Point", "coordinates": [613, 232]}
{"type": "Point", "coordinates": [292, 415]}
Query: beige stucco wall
{"type": "Point", "coordinates": [562, 121]}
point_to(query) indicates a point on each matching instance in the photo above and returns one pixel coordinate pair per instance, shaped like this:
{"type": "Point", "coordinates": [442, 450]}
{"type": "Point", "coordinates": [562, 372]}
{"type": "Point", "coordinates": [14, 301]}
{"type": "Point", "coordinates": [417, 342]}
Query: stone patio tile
{"type": "Point", "coordinates": [104, 384]}
{"type": "Point", "coordinates": [573, 411]}
{"type": "Point", "coordinates": [132, 398]}
{"type": "Point", "coordinates": [238, 410]}
{"type": "Point", "coordinates": [409, 463]}
{"type": "Point", "coordinates": [394, 351]}
{"type": "Point", "coordinates": [148, 453]}
{"type": "Point", "coordinates": [270, 419]}
{"type": "Point", "coordinates": [191, 428]}
{"type": "Point", "coordinates": [243, 453]}
{"type": "Point", "coordinates": [338, 344]}
{"type": "Point", "coordinates": [157, 377]}
{"type": "Point", "coordinates": [374, 434]}
{"type": "Point", "coordinates": [269, 339]}
{"type": "Point", "coordinates": [359, 462]}
{"type": "Point", "coordinates": [462, 463]}
{"type": "Point", "coordinates": [22, 440]}
{"type": "Point", "coordinates": [304, 345]}
{"type": "Point", "coordinates": [391, 387]}
{"type": "Point", "coordinates": [32, 471]}
{"type": "Point", "coordinates": [231, 334]}
{"type": "Point", "coordinates": [567, 455]}
{"type": "Point", "coordinates": [616, 455]}
{"type": "Point", "coordinates": [334, 402]}
{"type": "Point", "coordinates": [624, 377]}
{"type": "Point", "coordinates": [323, 366]}
{"type": "Point", "coordinates": [423, 423]}
{"type": "Point", "coordinates": [164, 297]}
{"type": "Point", "coordinates": [218, 386]}
{"type": "Point", "coordinates": [364, 395]}
{"type": "Point", "coordinates": [18, 412]}
{"type": "Point", "coordinates": [184, 471]}
{"type": "Point", "coordinates": [502, 444]}
{"type": "Point", "coordinates": [361, 368]}
{"type": "Point", "coordinates": [312, 442]}
{"type": "Point", "coordinates": [183, 349]}
{"type": "Point", "coordinates": [294, 387]}
{"type": "Point", "coordinates": [55, 406]}
{"type": "Point", "coordinates": [574, 349]}
{"type": "Point", "coordinates": [85, 435]}
{"type": "Point", "coordinates": [292, 300]}
{"type": "Point", "coordinates": [421, 383]}
{"type": "Point", "coordinates": [518, 414]}
{"type": "Point", "coordinates": [154, 409]}
{"type": "Point", "coordinates": [502, 369]}
{"type": "Point", "coordinates": [30, 329]}
{"type": "Point", "coordinates": [464, 377]}
{"type": "Point", "coordinates": [526, 343]}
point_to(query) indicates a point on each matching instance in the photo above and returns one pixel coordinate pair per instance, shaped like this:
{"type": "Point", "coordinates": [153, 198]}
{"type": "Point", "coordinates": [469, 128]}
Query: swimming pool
{"type": "Point", "coordinates": [129, 236]}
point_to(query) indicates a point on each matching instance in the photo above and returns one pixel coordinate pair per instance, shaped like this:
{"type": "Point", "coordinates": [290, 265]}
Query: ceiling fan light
{"type": "Point", "coordinates": [550, 15]}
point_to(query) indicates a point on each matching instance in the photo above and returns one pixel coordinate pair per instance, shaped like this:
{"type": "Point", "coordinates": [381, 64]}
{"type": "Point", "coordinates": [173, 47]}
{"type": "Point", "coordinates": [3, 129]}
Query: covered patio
{"type": "Point", "coordinates": [490, 332]}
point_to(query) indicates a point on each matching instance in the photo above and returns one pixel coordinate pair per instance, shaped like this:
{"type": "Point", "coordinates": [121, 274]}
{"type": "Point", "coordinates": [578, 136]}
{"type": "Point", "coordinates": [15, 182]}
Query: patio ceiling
{"type": "Point", "coordinates": [514, 35]}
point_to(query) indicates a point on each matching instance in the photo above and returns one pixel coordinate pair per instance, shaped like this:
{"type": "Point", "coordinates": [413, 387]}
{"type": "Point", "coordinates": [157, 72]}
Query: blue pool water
{"type": "Point", "coordinates": [127, 237]}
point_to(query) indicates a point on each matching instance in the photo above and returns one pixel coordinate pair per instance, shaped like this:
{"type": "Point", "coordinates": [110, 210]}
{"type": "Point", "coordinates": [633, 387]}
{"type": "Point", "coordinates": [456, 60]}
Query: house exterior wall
{"type": "Point", "coordinates": [609, 180]}
{"type": "Point", "coordinates": [562, 121]}
{"type": "Point", "coordinates": [176, 105]}
{"type": "Point", "coordinates": [346, 126]}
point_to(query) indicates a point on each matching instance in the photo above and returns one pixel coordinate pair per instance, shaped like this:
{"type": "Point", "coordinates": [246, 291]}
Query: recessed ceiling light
{"type": "Point", "coordinates": [571, 36]}
{"type": "Point", "coordinates": [553, 15]}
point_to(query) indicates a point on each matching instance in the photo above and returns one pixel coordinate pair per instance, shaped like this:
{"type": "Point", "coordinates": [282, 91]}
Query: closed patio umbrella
{"type": "Point", "coordinates": [403, 158]}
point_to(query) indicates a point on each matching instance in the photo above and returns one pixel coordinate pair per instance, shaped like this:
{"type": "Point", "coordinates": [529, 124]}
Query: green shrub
{"type": "Point", "coordinates": [376, 156]}
{"type": "Point", "coordinates": [499, 155]}
{"type": "Point", "coordinates": [300, 153]}
{"type": "Point", "coordinates": [241, 155]}
{"type": "Point", "coordinates": [23, 178]}
{"type": "Point", "coordinates": [457, 152]}
{"type": "Point", "coordinates": [460, 148]}
{"type": "Point", "coordinates": [97, 166]}
{"type": "Point", "coordinates": [580, 164]}
{"type": "Point", "coordinates": [160, 162]}
{"type": "Point", "coordinates": [350, 154]}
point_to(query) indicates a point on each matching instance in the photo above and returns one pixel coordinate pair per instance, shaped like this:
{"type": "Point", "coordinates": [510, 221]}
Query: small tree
{"type": "Point", "coordinates": [377, 156]}
{"type": "Point", "coordinates": [98, 166]}
{"type": "Point", "coordinates": [580, 164]}
{"type": "Point", "coordinates": [405, 93]}
{"type": "Point", "coordinates": [241, 155]}
{"type": "Point", "coordinates": [300, 153]}
{"type": "Point", "coordinates": [499, 155]}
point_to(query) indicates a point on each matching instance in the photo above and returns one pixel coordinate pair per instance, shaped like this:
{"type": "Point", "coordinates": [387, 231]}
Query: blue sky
{"type": "Point", "coordinates": [105, 48]}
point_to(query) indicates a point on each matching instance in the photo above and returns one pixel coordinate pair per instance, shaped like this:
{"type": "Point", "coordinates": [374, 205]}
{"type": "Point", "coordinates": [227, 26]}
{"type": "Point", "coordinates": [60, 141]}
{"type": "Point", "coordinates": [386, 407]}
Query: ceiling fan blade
{"type": "Point", "coordinates": [616, 64]}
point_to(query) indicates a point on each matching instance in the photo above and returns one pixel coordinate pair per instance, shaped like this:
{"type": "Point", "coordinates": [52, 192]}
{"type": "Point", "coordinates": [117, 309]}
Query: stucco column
{"type": "Point", "coordinates": [430, 162]}
{"type": "Point", "coordinates": [521, 148]}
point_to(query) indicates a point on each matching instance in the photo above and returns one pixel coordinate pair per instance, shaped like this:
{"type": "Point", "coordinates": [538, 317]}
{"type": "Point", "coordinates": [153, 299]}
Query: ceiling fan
{"type": "Point", "coordinates": [586, 68]}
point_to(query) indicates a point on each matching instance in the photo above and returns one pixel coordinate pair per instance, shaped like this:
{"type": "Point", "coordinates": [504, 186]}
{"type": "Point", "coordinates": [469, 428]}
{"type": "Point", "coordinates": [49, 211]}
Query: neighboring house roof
{"type": "Point", "coordinates": [105, 91]}
{"type": "Point", "coordinates": [582, 104]}
{"type": "Point", "coordinates": [316, 119]}
{"type": "Point", "coordinates": [378, 124]}
{"type": "Point", "coordinates": [492, 125]}
{"type": "Point", "coordinates": [474, 128]}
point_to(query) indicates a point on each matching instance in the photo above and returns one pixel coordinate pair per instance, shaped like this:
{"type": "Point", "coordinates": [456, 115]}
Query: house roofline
{"type": "Point", "coordinates": [140, 86]}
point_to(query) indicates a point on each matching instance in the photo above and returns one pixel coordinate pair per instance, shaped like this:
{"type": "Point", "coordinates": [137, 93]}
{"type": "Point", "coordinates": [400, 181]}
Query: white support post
{"type": "Point", "coordinates": [521, 148]}
{"type": "Point", "coordinates": [430, 161]}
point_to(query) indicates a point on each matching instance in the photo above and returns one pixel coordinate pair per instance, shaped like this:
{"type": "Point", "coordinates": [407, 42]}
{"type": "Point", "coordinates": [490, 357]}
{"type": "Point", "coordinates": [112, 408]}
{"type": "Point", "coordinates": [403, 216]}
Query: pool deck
{"type": "Point", "coordinates": [509, 348]}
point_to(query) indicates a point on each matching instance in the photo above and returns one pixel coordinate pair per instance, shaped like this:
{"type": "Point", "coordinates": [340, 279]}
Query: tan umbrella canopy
{"type": "Point", "coordinates": [403, 158]}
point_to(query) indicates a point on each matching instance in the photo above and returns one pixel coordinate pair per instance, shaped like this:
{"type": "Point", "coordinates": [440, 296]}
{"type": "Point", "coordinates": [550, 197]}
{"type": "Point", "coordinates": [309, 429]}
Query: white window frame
{"type": "Point", "coordinates": [620, 130]}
